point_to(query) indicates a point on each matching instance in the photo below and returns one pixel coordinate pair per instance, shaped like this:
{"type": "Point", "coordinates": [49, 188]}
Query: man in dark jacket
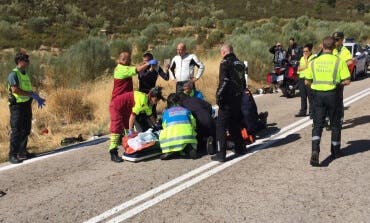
{"type": "Point", "coordinates": [229, 97]}
{"type": "Point", "coordinates": [294, 52]}
{"type": "Point", "coordinates": [149, 76]}
{"type": "Point", "coordinates": [202, 112]}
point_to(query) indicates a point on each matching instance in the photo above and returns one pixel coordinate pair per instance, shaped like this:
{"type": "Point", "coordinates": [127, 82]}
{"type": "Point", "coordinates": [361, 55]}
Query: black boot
{"type": "Point", "coordinates": [14, 159]}
{"type": "Point", "coordinates": [114, 156]}
{"type": "Point", "coordinates": [336, 153]}
{"type": "Point", "coordinates": [314, 158]}
{"type": "Point", "coordinates": [210, 146]}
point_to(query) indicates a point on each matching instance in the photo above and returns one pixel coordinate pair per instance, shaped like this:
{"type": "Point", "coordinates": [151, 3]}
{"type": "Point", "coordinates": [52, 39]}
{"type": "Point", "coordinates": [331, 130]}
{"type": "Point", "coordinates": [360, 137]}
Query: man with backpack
{"type": "Point", "coordinates": [229, 98]}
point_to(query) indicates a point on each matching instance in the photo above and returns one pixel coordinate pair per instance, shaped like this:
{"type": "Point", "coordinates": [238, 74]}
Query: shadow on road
{"type": "Point", "coordinates": [350, 123]}
{"type": "Point", "coordinates": [355, 147]}
{"type": "Point", "coordinates": [75, 146]}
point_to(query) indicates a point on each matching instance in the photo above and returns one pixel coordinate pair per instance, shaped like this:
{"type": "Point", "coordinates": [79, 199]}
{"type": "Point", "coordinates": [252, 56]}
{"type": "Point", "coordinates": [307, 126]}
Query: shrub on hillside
{"type": "Point", "coordinates": [213, 38]}
{"type": "Point", "coordinates": [150, 31]}
{"type": "Point", "coordinates": [9, 31]}
{"type": "Point", "coordinates": [69, 105]}
{"type": "Point", "coordinates": [82, 62]}
{"type": "Point", "coordinates": [38, 24]}
{"type": "Point", "coordinates": [116, 46]}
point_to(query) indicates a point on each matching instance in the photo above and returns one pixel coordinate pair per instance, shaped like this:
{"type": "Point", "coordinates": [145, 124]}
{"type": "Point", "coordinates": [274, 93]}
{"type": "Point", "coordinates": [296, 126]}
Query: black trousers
{"type": "Point", "coordinates": [20, 124]}
{"type": "Point", "coordinates": [326, 103]}
{"type": "Point", "coordinates": [305, 93]}
{"type": "Point", "coordinates": [229, 116]}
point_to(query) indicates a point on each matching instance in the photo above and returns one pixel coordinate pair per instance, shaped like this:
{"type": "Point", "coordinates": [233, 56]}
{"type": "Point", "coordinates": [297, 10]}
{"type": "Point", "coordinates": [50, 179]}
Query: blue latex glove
{"type": "Point", "coordinates": [130, 133]}
{"type": "Point", "coordinates": [153, 62]}
{"type": "Point", "coordinates": [40, 101]}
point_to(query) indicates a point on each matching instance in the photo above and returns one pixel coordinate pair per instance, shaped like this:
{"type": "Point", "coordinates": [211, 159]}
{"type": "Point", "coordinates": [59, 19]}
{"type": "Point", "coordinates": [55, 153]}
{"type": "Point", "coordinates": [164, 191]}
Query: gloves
{"type": "Point", "coordinates": [40, 101]}
{"type": "Point", "coordinates": [153, 62]}
{"type": "Point", "coordinates": [130, 133]}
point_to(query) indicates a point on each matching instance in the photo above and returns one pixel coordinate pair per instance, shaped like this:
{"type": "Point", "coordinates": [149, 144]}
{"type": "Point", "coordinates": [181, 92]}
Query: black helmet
{"type": "Point", "coordinates": [156, 92]}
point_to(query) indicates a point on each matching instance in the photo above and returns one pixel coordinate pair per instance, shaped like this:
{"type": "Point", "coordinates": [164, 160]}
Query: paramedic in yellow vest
{"type": "Point", "coordinates": [123, 115]}
{"type": "Point", "coordinates": [324, 74]}
{"type": "Point", "coordinates": [343, 53]}
{"type": "Point", "coordinates": [20, 98]}
{"type": "Point", "coordinates": [178, 136]}
{"type": "Point", "coordinates": [305, 91]}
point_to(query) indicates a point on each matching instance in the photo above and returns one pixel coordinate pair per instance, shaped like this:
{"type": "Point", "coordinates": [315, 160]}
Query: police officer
{"type": "Point", "coordinates": [229, 98]}
{"type": "Point", "coordinates": [20, 99]}
{"type": "Point", "coordinates": [325, 74]}
{"type": "Point", "coordinates": [343, 53]}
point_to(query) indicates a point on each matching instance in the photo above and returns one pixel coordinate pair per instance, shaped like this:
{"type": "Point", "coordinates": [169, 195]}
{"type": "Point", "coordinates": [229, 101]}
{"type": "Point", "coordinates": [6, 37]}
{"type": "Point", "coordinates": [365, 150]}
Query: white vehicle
{"type": "Point", "coordinates": [359, 55]}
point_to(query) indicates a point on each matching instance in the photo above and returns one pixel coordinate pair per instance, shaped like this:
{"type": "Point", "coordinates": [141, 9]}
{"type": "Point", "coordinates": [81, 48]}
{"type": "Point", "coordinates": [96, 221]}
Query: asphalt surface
{"type": "Point", "coordinates": [272, 183]}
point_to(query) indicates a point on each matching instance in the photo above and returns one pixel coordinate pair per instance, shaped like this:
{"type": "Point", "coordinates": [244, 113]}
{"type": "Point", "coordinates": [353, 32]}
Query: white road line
{"type": "Point", "coordinates": [140, 208]}
{"type": "Point", "coordinates": [294, 127]}
{"type": "Point", "coordinates": [150, 193]}
{"type": "Point", "coordinates": [177, 180]}
{"type": "Point", "coordinates": [73, 147]}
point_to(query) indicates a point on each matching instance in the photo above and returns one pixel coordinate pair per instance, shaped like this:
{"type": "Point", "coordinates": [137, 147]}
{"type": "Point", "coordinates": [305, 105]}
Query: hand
{"type": "Point", "coordinates": [130, 133]}
{"type": "Point", "coordinates": [40, 101]}
{"type": "Point", "coordinates": [152, 62]}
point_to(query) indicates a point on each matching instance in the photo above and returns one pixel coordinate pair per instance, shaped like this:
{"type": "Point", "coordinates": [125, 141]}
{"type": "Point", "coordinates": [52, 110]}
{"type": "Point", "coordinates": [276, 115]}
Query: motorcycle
{"type": "Point", "coordinates": [285, 78]}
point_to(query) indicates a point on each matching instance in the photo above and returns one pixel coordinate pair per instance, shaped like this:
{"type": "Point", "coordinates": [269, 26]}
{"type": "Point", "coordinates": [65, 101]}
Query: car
{"type": "Point", "coordinates": [359, 57]}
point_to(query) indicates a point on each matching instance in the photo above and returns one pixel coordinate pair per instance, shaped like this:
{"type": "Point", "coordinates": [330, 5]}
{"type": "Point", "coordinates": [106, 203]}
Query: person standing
{"type": "Point", "coordinates": [343, 53]}
{"type": "Point", "coordinates": [20, 97]}
{"type": "Point", "coordinates": [324, 74]}
{"type": "Point", "coordinates": [122, 84]}
{"type": "Point", "coordinates": [294, 52]}
{"type": "Point", "coordinates": [229, 98]}
{"type": "Point", "coordinates": [148, 77]}
{"type": "Point", "coordinates": [279, 55]}
{"type": "Point", "coordinates": [182, 67]}
{"type": "Point", "coordinates": [305, 91]}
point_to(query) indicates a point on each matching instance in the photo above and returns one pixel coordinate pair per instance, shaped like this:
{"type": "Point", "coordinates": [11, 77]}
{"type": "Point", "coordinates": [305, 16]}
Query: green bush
{"type": "Point", "coordinates": [150, 31]}
{"type": "Point", "coordinates": [213, 38]}
{"type": "Point", "coordinates": [141, 44]}
{"type": "Point", "coordinates": [82, 62]}
{"type": "Point", "coordinates": [10, 31]}
{"type": "Point", "coordinates": [177, 22]}
{"type": "Point", "coordinates": [38, 24]}
{"type": "Point", "coordinates": [116, 46]}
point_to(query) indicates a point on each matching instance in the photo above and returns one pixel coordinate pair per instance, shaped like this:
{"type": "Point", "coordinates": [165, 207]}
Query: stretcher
{"type": "Point", "coordinates": [143, 152]}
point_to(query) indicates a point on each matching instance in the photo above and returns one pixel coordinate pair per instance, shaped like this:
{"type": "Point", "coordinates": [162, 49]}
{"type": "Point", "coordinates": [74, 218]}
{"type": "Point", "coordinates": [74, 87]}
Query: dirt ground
{"type": "Point", "coordinates": [275, 184]}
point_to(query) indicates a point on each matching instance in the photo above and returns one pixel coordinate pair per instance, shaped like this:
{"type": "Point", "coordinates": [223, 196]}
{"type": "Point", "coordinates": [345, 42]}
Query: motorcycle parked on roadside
{"type": "Point", "coordinates": [284, 78]}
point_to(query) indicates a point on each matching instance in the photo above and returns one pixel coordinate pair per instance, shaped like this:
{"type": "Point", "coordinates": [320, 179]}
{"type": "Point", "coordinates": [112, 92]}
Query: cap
{"type": "Point", "coordinates": [338, 35]}
{"type": "Point", "coordinates": [156, 92]}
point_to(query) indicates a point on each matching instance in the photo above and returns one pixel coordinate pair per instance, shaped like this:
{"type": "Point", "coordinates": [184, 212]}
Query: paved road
{"type": "Point", "coordinates": [272, 183]}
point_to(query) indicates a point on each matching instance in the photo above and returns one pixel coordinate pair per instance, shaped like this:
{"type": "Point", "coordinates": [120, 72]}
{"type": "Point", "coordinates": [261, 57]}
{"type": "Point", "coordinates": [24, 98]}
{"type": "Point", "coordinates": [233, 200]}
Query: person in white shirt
{"type": "Point", "coordinates": [182, 67]}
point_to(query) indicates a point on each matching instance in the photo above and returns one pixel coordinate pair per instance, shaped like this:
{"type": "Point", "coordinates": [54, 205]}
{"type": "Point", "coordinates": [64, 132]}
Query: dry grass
{"type": "Point", "coordinates": [85, 110]}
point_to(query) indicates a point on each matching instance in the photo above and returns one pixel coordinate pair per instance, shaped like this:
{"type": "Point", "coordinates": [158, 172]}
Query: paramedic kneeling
{"type": "Point", "coordinates": [123, 115]}
{"type": "Point", "coordinates": [178, 136]}
{"type": "Point", "coordinates": [325, 74]}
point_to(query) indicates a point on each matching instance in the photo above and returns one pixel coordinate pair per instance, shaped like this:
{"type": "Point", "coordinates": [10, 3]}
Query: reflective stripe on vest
{"type": "Point", "coordinates": [325, 82]}
{"type": "Point", "coordinates": [24, 84]}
